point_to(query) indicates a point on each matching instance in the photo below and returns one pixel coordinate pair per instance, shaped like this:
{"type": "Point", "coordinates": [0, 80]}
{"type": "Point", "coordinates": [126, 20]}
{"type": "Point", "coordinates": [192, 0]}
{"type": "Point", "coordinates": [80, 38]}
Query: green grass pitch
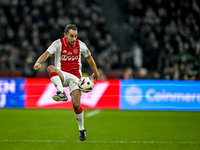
{"type": "Point", "coordinates": [57, 129]}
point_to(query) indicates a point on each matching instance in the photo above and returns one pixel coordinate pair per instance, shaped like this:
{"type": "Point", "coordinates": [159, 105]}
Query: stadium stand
{"type": "Point", "coordinates": [160, 36]}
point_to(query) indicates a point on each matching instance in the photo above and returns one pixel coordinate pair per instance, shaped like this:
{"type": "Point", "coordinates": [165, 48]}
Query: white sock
{"type": "Point", "coordinates": [80, 120]}
{"type": "Point", "coordinates": [57, 82]}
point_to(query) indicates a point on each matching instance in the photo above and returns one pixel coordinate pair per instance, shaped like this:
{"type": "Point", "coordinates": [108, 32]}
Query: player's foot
{"type": "Point", "coordinates": [82, 135]}
{"type": "Point", "coordinates": [60, 96]}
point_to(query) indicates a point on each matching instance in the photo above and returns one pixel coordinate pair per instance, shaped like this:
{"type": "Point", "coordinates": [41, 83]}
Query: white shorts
{"type": "Point", "coordinates": [70, 80]}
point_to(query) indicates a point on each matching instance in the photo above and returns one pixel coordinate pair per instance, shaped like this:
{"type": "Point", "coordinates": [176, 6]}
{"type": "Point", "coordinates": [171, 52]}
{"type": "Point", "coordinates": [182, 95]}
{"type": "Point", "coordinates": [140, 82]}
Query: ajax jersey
{"type": "Point", "coordinates": [68, 57]}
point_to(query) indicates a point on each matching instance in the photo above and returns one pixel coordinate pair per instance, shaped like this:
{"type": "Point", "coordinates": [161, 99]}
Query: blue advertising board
{"type": "Point", "coordinates": [12, 93]}
{"type": "Point", "coordinates": [159, 95]}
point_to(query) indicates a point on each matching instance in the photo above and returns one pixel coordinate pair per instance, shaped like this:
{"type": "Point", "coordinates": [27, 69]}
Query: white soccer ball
{"type": "Point", "coordinates": [86, 84]}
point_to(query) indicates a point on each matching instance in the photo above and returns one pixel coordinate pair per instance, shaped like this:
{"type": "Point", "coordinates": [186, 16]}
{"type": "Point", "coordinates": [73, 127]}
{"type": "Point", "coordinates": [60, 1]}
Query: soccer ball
{"type": "Point", "coordinates": [86, 84]}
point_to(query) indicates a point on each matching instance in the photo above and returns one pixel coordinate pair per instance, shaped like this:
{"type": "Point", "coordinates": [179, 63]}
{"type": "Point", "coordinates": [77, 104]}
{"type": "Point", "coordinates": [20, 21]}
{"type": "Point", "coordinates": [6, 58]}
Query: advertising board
{"type": "Point", "coordinates": [159, 95]}
{"type": "Point", "coordinates": [108, 94]}
{"type": "Point", "coordinates": [39, 93]}
{"type": "Point", "coordinates": [12, 93]}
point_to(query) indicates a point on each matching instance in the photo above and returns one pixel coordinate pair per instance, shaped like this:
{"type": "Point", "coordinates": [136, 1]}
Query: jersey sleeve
{"type": "Point", "coordinates": [52, 48]}
{"type": "Point", "coordinates": [84, 49]}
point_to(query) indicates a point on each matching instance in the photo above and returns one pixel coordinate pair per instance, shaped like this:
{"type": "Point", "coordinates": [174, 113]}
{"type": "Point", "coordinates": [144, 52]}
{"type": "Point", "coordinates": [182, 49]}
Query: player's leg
{"type": "Point", "coordinates": [76, 96]}
{"type": "Point", "coordinates": [57, 79]}
{"type": "Point", "coordinates": [78, 111]}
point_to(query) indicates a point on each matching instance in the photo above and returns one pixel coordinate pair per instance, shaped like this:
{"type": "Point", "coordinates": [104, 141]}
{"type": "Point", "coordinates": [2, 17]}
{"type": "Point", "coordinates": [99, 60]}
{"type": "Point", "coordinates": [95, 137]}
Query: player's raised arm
{"type": "Point", "coordinates": [93, 66]}
{"type": "Point", "coordinates": [41, 59]}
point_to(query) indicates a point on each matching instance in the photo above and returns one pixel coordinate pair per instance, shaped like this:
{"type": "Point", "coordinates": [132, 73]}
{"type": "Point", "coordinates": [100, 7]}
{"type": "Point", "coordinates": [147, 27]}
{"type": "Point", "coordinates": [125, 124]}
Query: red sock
{"type": "Point", "coordinates": [52, 74]}
{"type": "Point", "coordinates": [79, 111]}
{"type": "Point", "coordinates": [55, 79]}
{"type": "Point", "coordinates": [79, 118]}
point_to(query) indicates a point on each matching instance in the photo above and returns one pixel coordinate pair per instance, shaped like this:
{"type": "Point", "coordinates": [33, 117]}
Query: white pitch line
{"type": "Point", "coordinates": [138, 142]}
{"type": "Point", "coordinates": [115, 142]}
{"type": "Point", "coordinates": [35, 141]}
{"type": "Point", "coordinates": [92, 113]}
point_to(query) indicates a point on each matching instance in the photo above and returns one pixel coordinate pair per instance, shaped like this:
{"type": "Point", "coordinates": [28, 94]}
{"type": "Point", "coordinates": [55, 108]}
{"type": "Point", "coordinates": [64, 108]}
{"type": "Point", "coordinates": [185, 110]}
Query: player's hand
{"type": "Point", "coordinates": [96, 76]}
{"type": "Point", "coordinates": [37, 66]}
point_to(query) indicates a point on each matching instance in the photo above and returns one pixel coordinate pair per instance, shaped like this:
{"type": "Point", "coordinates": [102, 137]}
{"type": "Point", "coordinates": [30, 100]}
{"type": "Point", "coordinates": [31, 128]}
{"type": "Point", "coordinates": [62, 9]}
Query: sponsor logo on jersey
{"type": "Point", "coordinates": [69, 58]}
{"type": "Point", "coordinates": [69, 53]}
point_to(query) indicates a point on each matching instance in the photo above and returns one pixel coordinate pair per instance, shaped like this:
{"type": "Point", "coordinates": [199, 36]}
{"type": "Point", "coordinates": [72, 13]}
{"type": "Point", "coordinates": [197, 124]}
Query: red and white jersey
{"type": "Point", "coordinates": [68, 57]}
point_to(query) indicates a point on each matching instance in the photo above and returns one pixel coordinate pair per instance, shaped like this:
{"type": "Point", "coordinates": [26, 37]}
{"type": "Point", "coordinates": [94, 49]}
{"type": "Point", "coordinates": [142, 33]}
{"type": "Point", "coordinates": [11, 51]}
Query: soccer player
{"type": "Point", "coordinates": [67, 70]}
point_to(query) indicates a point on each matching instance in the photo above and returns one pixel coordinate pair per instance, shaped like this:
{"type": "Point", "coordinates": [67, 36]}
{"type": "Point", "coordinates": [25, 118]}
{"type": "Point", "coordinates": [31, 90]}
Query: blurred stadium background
{"type": "Point", "coordinates": [155, 44]}
{"type": "Point", "coordinates": [155, 38]}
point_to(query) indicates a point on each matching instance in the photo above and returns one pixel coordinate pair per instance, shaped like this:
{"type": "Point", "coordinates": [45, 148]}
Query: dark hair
{"type": "Point", "coordinates": [70, 26]}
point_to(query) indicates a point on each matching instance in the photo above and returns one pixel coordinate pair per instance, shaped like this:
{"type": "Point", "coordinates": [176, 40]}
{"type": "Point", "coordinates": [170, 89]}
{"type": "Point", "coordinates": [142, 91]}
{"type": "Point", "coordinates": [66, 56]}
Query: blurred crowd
{"type": "Point", "coordinates": [28, 27]}
{"type": "Point", "coordinates": [165, 36]}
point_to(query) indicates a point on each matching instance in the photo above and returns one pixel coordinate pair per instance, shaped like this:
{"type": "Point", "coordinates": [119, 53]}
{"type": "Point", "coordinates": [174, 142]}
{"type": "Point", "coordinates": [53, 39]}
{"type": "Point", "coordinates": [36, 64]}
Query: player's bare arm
{"type": "Point", "coordinates": [93, 66]}
{"type": "Point", "coordinates": [41, 59]}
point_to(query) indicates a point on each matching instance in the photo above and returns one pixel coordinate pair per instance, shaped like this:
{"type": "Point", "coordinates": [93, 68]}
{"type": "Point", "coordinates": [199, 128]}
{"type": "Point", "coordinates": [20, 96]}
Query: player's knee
{"type": "Point", "coordinates": [50, 69]}
{"type": "Point", "coordinates": [76, 106]}
{"type": "Point", "coordinates": [76, 96]}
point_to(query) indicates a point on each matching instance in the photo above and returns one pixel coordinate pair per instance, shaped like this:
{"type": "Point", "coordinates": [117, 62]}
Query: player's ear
{"type": "Point", "coordinates": [65, 34]}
